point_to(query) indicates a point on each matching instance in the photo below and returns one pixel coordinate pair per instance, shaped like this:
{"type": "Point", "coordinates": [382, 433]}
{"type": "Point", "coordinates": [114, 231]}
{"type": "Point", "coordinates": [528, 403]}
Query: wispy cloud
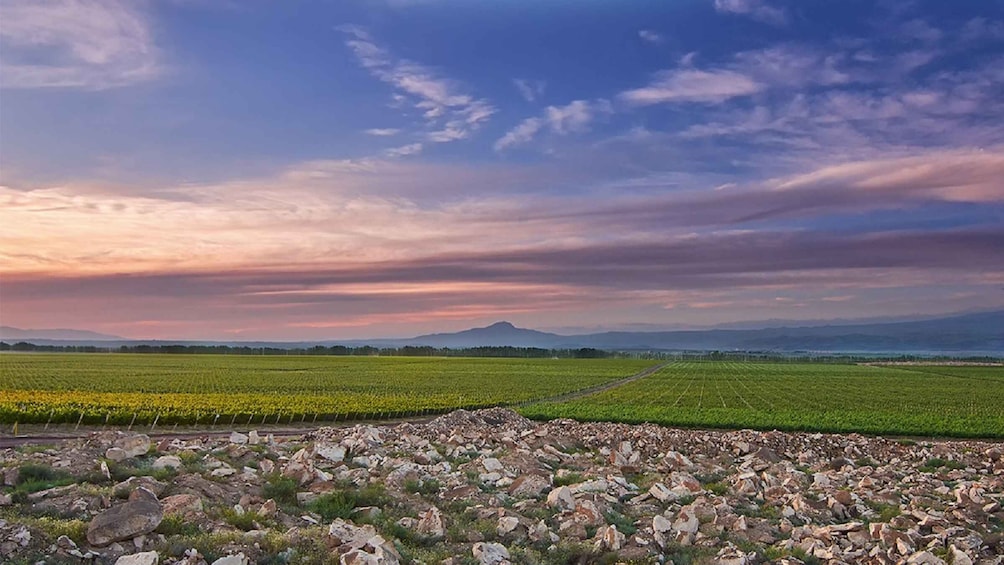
{"type": "Point", "coordinates": [530, 90]}
{"type": "Point", "coordinates": [68, 44]}
{"type": "Point", "coordinates": [404, 150]}
{"type": "Point", "coordinates": [692, 85]}
{"type": "Point", "coordinates": [650, 36]}
{"type": "Point", "coordinates": [574, 117]}
{"type": "Point", "coordinates": [450, 112]}
{"type": "Point", "coordinates": [758, 10]}
{"type": "Point", "coordinates": [383, 132]}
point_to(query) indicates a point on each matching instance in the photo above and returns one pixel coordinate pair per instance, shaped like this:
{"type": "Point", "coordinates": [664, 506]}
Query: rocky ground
{"type": "Point", "coordinates": [491, 487]}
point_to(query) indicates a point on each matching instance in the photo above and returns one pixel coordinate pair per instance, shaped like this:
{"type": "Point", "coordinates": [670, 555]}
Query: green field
{"type": "Point", "coordinates": [901, 400]}
{"type": "Point", "coordinates": [941, 400]}
{"type": "Point", "coordinates": [143, 388]}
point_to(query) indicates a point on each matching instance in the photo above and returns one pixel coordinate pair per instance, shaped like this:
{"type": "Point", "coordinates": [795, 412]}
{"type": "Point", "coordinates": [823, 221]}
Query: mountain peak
{"type": "Point", "coordinates": [503, 325]}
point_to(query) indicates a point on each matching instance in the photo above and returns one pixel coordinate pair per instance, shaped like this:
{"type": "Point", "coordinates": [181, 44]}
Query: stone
{"type": "Point", "coordinates": [333, 453]}
{"type": "Point", "coordinates": [529, 486]}
{"type": "Point", "coordinates": [167, 462]}
{"type": "Point", "coordinates": [238, 559]}
{"type": "Point", "coordinates": [491, 464]}
{"type": "Point", "coordinates": [268, 508]}
{"type": "Point", "coordinates": [125, 521]}
{"type": "Point", "coordinates": [562, 499]}
{"type": "Point", "coordinates": [116, 454]}
{"type": "Point", "coordinates": [609, 539]}
{"type": "Point", "coordinates": [128, 486]}
{"type": "Point", "coordinates": [925, 558]}
{"type": "Point", "coordinates": [186, 505]}
{"type": "Point", "coordinates": [959, 557]}
{"type": "Point", "coordinates": [430, 523]}
{"type": "Point", "coordinates": [145, 558]}
{"type": "Point", "coordinates": [134, 445]}
{"type": "Point", "coordinates": [238, 438]}
{"type": "Point", "coordinates": [661, 526]}
{"type": "Point", "coordinates": [490, 553]}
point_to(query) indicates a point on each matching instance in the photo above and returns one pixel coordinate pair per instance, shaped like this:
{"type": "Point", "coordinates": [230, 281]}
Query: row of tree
{"type": "Point", "coordinates": [493, 351]}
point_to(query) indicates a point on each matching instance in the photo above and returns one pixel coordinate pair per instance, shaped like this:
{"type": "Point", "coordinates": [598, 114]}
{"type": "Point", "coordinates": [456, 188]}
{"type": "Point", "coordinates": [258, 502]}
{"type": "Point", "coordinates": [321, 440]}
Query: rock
{"type": "Point", "coordinates": [238, 559]}
{"type": "Point", "coordinates": [959, 557]}
{"type": "Point", "coordinates": [662, 493]}
{"type": "Point", "coordinates": [116, 454]}
{"type": "Point", "coordinates": [562, 499]}
{"type": "Point", "coordinates": [145, 558]}
{"type": "Point", "coordinates": [186, 505]}
{"type": "Point", "coordinates": [661, 526]}
{"type": "Point", "coordinates": [167, 462]}
{"type": "Point", "coordinates": [300, 468]}
{"type": "Point", "coordinates": [268, 508]}
{"type": "Point", "coordinates": [587, 514]}
{"type": "Point", "coordinates": [430, 523]}
{"type": "Point", "coordinates": [333, 453]}
{"type": "Point", "coordinates": [254, 438]}
{"type": "Point", "coordinates": [490, 553]}
{"type": "Point", "coordinates": [238, 438]}
{"type": "Point", "coordinates": [491, 464]}
{"type": "Point", "coordinates": [126, 487]}
{"type": "Point", "coordinates": [125, 521]}
{"type": "Point", "coordinates": [609, 539]}
{"type": "Point", "coordinates": [925, 558]}
{"type": "Point", "coordinates": [134, 445]}
{"type": "Point", "coordinates": [529, 486]}
{"type": "Point", "coordinates": [686, 525]}
{"type": "Point", "coordinates": [731, 555]}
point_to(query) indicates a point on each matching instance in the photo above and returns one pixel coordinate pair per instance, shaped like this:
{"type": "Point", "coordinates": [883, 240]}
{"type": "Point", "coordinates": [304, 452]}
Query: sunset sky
{"type": "Point", "coordinates": [193, 169]}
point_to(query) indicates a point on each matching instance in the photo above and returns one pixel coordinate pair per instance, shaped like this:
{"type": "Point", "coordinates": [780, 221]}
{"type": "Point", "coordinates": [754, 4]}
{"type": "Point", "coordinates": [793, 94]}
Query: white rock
{"type": "Point", "coordinates": [333, 453]}
{"type": "Point", "coordinates": [959, 557]}
{"type": "Point", "coordinates": [491, 464]}
{"type": "Point", "coordinates": [254, 438]}
{"type": "Point", "coordinates": [561, 498]}
{"type": "Point", "coordinates": [238, 559]}
{"type": "Point", "coordinates": [490, 553]}
{"type": "Point", "coordinates": [145, 558]}
{"type": "Point", "coordinates": [238, 438]}
{"type": "Point", "coordinates": [167, 462]}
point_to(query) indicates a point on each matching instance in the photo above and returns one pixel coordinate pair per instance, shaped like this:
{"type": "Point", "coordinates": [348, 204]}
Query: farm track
{"type": "Point", "coordinates": [48, 436]}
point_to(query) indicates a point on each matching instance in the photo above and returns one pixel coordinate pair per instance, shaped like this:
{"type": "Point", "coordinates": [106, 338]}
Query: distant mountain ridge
{"type": "Point", "coordinates": [8, 333]}
{"type": "Point", "coordinates": [980, 333]}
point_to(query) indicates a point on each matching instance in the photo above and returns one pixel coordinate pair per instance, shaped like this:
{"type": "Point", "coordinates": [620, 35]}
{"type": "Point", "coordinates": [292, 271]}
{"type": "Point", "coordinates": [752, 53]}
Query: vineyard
{"type": "Point", "coordinates": [126, 389]}
{"type": "Point", "coordinates": [138, 389]}
{"type": "Point", "coordinates": [903, 400]}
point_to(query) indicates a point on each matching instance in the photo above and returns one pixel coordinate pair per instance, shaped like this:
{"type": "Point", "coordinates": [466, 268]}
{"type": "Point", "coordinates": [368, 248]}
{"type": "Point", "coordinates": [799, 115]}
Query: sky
{"type": "Point", "coordinates": [299, 170]}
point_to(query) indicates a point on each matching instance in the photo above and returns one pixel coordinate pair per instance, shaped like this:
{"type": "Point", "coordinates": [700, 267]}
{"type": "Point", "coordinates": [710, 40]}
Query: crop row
{"type": "Point", "coordinates": [192, 389]}
{"type": "Point", "coordinates": [952, 401]}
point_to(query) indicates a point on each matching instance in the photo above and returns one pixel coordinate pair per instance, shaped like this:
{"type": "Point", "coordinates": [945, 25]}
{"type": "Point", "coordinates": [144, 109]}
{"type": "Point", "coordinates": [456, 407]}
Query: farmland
{"type": "Point", "coordinates": [231, 389]}
{"type": "Point", "coordinates": [124, 389]}
{"type": "Point", "coordinates": [904, 400]}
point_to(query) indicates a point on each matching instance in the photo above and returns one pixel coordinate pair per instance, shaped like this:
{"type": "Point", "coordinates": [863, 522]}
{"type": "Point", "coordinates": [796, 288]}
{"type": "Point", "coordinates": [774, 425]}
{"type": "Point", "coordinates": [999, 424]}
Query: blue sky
{"type": "Point", "coordinates": [304, 170]}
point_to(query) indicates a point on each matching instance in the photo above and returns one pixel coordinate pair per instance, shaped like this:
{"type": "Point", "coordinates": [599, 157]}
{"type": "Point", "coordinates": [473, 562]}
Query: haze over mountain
{"type": "Point", "coordinates": [8, 333]}
{"type": "Point", "coordinates": [974, 333]}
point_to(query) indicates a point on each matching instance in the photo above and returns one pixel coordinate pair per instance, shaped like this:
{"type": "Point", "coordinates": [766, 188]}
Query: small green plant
{"type": "Point", "coordinates": [427, 486]}
{"type": "Point", "coordinates": [568, 479]}
{"type": "Point", "coordinates": [717, 488]}
{"type": "Point", "coordinates": [884, 510]}
{"type": "Point", "coordinates": [624, 524]}
{"type": "Point", "coordinates": [34, 478]}
{"type": "Point", "coordinates": [282, 489]}
{"type": "Point", "coordinates": [175, 525]}
{"type": "Point", "coordinates": [245, 521]}
{"type": "Point", "coordinates": [338, 504]}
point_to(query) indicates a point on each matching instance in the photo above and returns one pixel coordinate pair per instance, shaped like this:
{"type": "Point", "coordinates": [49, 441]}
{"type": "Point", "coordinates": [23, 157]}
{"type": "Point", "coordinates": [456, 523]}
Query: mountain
{"type": "Point", "coordinates": [499, 333]}
{"type": "Point", "coordinates": [980, 333]}
{"type": "Point", "coordinates": [8, 333]}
